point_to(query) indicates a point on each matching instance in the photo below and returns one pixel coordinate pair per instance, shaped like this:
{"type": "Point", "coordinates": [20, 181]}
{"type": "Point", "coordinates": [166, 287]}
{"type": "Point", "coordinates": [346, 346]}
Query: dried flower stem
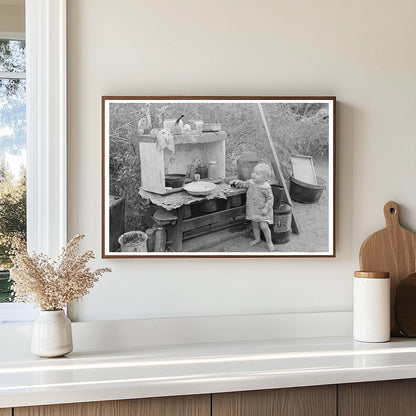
{"type": "Point", "coordinates": [53, 285]}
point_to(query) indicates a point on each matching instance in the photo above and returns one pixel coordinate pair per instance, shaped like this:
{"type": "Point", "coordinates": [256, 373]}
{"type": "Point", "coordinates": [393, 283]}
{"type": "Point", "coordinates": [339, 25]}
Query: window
{"type": "Point", "coordinates": [12, 165]}
{"type": "Point", "coordinates": [12, 154]}
{"type": "Point", "coordinates": [46, 134]}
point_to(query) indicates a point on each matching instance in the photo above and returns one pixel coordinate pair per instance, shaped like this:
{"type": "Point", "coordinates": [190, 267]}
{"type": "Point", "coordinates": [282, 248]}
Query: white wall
{"type": "Point", "coordinates": [361, 51]}
{"type": "Point", "coordinates": [12, 17]}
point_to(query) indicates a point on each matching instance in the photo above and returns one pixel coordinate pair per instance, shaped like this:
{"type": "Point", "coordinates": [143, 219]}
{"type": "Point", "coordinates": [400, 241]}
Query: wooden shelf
{"type": "Point", "coordinates": [188, 138]}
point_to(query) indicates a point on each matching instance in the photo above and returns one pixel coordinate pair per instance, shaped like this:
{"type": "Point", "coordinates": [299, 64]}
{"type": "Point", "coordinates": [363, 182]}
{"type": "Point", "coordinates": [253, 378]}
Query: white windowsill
{"type": "Point", "coordinates": [16, 313]}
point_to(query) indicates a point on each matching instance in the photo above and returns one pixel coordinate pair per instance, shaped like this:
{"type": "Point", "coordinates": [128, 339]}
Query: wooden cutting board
{"type": "Point", "coordinates": [392, 250]}
{"type": "Point", "coordinates": [405, 306]}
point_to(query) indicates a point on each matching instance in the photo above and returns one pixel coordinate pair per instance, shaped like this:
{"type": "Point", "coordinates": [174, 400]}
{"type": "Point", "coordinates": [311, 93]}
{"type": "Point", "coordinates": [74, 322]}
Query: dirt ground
{"type": "Point", "coordinates": [313, 222]}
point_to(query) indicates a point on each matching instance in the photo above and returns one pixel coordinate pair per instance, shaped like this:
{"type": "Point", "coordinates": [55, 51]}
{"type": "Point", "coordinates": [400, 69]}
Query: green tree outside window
{"type": "Point", "coordinates": [12, 148]}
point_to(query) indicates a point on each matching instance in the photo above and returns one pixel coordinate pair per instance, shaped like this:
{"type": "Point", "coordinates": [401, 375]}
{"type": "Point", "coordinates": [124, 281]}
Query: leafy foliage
{"type": "Point", "coordinates": [12, 142]}
{"type": "Point", "coordinates": [12, 214]}
{"type": "Point", "coordinates": [12, 224]}
{"type": "Point", "coordinates": [12, 98]}
{"type": "Point", "coordinates": [12, 55]}
{"type": "Point", "coordinates": [6, 294]}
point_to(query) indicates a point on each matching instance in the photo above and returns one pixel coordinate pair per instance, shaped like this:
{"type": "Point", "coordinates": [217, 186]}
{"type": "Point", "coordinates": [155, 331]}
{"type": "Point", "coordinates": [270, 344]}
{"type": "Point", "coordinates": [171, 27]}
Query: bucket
{"type": "Point", "coordinates": [235, 201]}
{"type": "Point", "coordinates": [282, 223]}
{"type": "Point", "coordinates": [186, 212]}
{"type": "Point", "coordinates": [133, 241]}
{"type": "Point", "coordinates": [209, 206]}
{"type": "Point", "coordinates": [277, 194]}
{"type": "Point", "coordinates": [306, 193]}
{"type": "Point", "coordinates": [245, 164]}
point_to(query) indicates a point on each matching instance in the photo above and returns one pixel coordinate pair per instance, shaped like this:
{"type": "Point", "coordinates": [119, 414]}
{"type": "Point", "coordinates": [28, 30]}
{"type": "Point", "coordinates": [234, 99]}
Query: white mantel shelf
{"type": "Point", "coordinates": [151, 371]}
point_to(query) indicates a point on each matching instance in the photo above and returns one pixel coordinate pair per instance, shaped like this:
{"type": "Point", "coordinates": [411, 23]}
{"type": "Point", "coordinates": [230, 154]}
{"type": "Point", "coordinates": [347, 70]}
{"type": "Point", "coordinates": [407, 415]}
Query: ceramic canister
{"type": "Point", "coordinates": [371, 310]}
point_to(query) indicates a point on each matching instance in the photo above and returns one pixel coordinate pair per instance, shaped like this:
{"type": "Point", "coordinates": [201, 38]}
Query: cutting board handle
{"type": "Point", "coordinates": [391, 214]}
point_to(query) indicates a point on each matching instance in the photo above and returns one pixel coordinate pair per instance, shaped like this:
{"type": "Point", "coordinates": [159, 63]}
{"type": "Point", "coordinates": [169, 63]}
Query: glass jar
{"type": "Point", "coordinates": [212, 170]}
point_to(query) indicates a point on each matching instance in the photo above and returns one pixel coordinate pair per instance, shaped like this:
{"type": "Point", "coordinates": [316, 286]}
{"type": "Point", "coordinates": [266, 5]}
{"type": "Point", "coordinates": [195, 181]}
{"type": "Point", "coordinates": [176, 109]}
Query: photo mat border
{"type": "Point", "coordinates": [105, 100]}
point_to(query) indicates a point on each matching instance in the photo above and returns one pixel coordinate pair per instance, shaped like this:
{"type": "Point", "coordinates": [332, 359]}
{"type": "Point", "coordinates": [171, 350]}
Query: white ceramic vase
{"type": "Point", "coordinates": [52, 334]}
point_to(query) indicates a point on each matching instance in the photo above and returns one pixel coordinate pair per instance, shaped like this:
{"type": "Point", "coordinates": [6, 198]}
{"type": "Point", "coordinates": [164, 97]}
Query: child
{"type": "Point", "coordinates": [259, 204]}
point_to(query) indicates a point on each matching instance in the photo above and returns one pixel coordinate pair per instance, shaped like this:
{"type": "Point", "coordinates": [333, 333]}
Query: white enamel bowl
{"type": "Point", "coordinates": [199, 188]}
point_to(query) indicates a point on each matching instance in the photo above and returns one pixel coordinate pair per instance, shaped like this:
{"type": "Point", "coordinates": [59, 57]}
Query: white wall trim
{"type": "Point", "coordinates": [125, 334]}
{"type": "Point", "coordinates": [46, 125]}
{"type": "Point", "coordinates": [13, 75]}
{"type": "Point", "coordinates": [12, 35]}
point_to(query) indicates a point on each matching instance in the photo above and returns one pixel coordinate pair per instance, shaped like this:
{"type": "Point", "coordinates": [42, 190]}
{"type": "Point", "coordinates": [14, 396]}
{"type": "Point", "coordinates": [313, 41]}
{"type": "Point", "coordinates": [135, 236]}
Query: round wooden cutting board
{"type": "Point", "coordinates": [405, 306]}
{"type": "Point", "coordinates": [392, 250]}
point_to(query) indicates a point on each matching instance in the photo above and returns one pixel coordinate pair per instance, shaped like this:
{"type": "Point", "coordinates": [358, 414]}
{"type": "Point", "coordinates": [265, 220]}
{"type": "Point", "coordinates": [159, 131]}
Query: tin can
{"type": "Point", "coordinates": [282, 223]}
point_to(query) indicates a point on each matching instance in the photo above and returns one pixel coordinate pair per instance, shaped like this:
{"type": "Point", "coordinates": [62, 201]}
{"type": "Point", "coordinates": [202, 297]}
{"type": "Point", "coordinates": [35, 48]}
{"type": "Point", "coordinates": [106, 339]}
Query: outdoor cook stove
{"type": "Point", "coordinates": [190, 149]}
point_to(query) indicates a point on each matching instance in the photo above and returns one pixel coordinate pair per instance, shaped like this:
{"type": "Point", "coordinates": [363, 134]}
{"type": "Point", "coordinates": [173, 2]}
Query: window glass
{"type": "Point", "coordinates": [12, 156]}
{"type": "Point", "coordinates": [12, 56]}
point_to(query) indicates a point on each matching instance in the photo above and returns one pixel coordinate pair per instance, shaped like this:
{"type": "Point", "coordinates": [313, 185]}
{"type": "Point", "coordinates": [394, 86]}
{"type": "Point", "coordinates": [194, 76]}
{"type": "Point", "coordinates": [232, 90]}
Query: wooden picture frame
{"type": "Point", "coordinates": [207, 143]}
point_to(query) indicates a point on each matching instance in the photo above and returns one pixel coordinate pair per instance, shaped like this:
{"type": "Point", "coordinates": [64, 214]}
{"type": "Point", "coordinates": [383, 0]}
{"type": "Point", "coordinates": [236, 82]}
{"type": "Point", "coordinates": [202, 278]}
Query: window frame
{"type": "Point", "coordinates": [14, 312]}
{"type": "Point", "coordinates": [46, 125]}
{"type": "Point", "coordinates": [46, 138]}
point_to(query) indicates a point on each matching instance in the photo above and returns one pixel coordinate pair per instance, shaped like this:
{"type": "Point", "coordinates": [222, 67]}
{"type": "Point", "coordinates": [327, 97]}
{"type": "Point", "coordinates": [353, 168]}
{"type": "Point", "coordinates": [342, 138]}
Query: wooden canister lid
{"type": "Point", "coordinates": [372, 275]}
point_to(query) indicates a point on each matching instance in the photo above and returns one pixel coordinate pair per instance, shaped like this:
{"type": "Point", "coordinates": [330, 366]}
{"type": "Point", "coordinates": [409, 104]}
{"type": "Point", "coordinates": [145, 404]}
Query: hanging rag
{"type": "Point", "coordinates": [165, 139]}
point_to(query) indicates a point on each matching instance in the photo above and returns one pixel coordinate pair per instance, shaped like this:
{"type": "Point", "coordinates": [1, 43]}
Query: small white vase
{"type": "Point", "coordinates": [52, 334]}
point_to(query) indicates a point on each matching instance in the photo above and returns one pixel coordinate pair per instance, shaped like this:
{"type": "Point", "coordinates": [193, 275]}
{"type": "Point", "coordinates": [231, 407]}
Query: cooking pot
{"type": "Point", "coordinates": [175, 180]}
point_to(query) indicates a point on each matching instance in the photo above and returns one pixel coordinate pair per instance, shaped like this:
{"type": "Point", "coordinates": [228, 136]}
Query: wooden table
{"type": "Point", "coordinates": [204, 224]}
{"type": "Point", "coordinates": [186, 228]}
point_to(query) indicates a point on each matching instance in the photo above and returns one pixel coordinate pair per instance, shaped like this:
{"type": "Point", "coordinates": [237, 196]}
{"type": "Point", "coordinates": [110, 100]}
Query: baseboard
{"type": "Point", "coordinates": [126, 334]}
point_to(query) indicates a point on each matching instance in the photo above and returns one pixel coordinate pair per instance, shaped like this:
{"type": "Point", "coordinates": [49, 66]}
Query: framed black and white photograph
{"type": "Point", "coordinates": [218, 176]}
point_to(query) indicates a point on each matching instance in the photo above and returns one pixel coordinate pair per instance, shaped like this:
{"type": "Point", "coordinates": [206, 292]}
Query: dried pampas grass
{"type": "Point", "coordinates": [53, 285]}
